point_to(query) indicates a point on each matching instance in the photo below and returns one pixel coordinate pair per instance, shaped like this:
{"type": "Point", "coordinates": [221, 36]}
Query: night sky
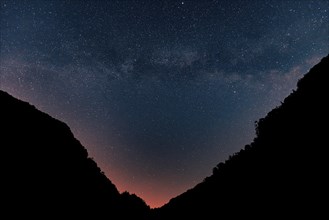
{"type": "Point", "coordinates": [159, 92]}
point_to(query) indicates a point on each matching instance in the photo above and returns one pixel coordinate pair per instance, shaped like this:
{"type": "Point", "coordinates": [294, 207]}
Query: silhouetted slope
{"type": "Point", "coordinates": [281, 173]}
{"type": "Point", "coordinates": [46, 173]}
{"type": "Point", "coordinates": [46, 170]}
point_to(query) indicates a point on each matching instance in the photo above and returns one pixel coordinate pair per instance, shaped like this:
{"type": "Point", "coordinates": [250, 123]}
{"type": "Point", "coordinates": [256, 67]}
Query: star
{"type": "Point", "coordinates": [158, 95]}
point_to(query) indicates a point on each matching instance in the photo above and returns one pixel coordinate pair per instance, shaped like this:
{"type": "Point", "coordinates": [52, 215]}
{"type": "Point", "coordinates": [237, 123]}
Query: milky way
{"type": "Point", "coordinates": [159, 92]}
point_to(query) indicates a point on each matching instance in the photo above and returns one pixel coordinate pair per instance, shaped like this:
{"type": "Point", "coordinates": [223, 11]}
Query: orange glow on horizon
{"type": "Point", "coordinates": [152, 197]}
{"type": "Point", "coordinates": [154, 193]}
{"type": "Point", "coordinates": [146, 190]}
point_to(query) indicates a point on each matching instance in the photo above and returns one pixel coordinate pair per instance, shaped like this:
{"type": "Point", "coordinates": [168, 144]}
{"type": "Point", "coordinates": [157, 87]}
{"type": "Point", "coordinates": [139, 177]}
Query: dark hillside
{"type": "Point", "coordinates": [47, 172]}
{"type": "Point", "coordinates": [281, 173]}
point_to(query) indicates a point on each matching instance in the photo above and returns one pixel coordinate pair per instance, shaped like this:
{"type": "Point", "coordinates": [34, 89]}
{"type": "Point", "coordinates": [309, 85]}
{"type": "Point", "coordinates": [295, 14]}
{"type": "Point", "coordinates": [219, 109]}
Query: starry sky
{"type": "Point", "coordinates": [159, 92]}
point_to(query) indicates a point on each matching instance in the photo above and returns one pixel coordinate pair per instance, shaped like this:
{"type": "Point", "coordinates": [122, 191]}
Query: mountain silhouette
{"type": "Point", "coordinates": [282, 173]}
{"type": "Point", "coordinates": [46, 172]}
